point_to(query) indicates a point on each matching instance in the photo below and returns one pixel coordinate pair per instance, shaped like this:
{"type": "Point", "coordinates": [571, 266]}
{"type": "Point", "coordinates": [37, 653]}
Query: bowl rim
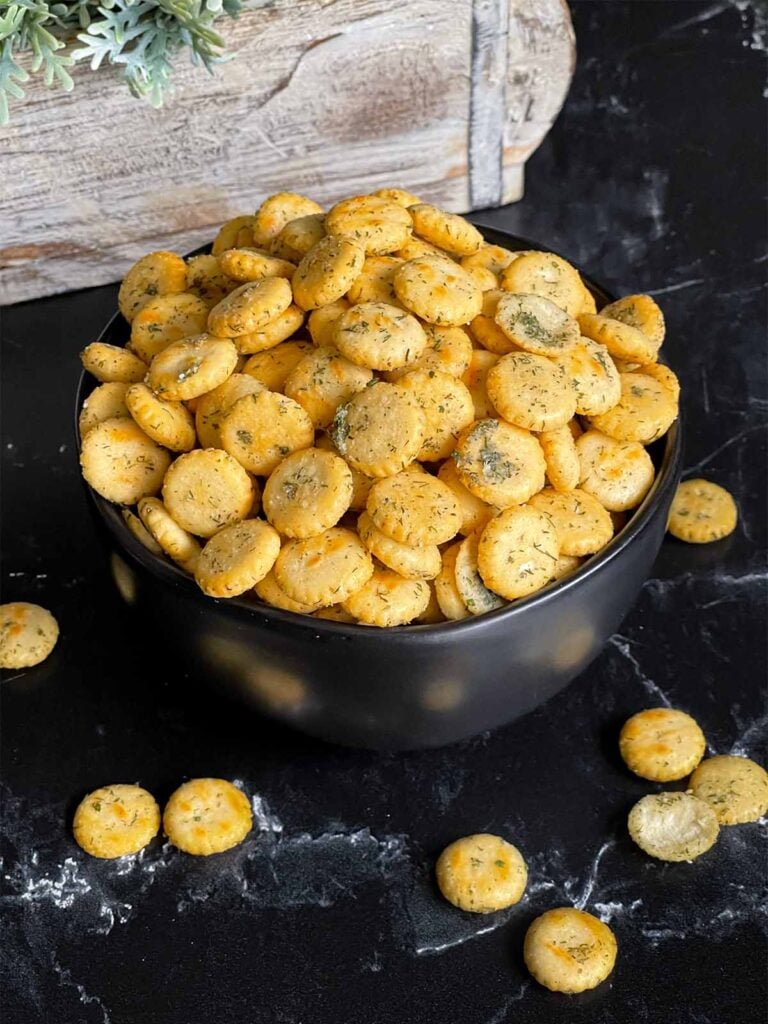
{"type": "Point", "coordinates": [169, 573]}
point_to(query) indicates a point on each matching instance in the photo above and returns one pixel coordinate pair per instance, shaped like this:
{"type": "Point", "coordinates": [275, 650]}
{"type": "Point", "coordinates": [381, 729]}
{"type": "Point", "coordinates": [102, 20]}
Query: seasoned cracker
{"type": "Point", "coordinates": [376, 281]}
{"type": "Point", "coordinates": [115, 821]}
{"type": "Point", "coordinates": [641, 312]}
{"type": "Point", "coordinates": [106, 402]}
{"type": "Point", "coordinates": [548, 275]}
{"type": "Point", "coordinates": [272, 593]}
{"type": "Point", "coordinates": [438, 291]}
{"type": "Point", "coordinates": [618, 473]}
{"type": "Point", "coordinates": [499, 463]}
{"type": "Point", "coordinates": [446, 591]}
{"type": "Point", "coordinates": [28, 634]}
{"type": "Point", "coordinates": [191, 367]}
{"type": "Point", "coordinates": [621, 339]}
{"type": "Point", "coordinates": [308, 493]}
{"type": "Point", "coordinates": [414, 508]}
{"type": "Point", "coordinates": [213, 404]}
{"type": "Point", "coordinates": [581, 523]}
{"type": "Point", "coordinates": [561, 457]}
{"type": "Point", "coordinates": [276, 331]}
{"type": "Point", "coordinates": [324, 569]}
{"type": "Point", "coordinates": [322, 323]}
{"type": "Point", "coordinates": [517, 551]}
{"type": "Point", "coordinates": [673, 826]}
{"type": "Point", "coordinates": [236, 558]}
{"type": "Point", "coordinates": [449, 350]}
{"type": "Point", "coordinates": [379, 430]}
{"type": "Point", "coordinates": [569, 950]}
{"type": "Point", "coordinates": [236, 231]}
{"type": "Point", "coordinates": [206, 281]}
{"type": "Point", "coordinates": [167, 534]}
{"type": "Point", "coordinates": [322, 381]}
{"type": "Point", "coordinates": [447, 231]}
{"type": "Point", "coordinates": [661, 744]}
{"type": "Point", "coordinates": [297, 237]}
{"type": "Point", "coordinates": [469, 583]}
{"type": "Point", "coordinates": [273, 367]}
{"type": "Point", "coordinates": [387, 599]}
{"type": "Point", "coordinates": [422, 562]}
{"type": "Point", "coordinates": [206, 816]}
{"type": "Point", "coordinates": [252, 264]}
{"type": "Point", "coordinates": [481, 873]}
{"type": "Point", "coordinates": [166, 319]}
{"type": "Point", "coordinates": [261, 429]}
{"type": "Point", "coordinates": [250, 307]}
{"type": "Point", "coordinates": [475, 513]}
{"type": "Point", "coordinates": [157, 273]}
{"type": "Point", "coordinates": [205, 490]}
{"type": "Point", "coordinates": [702, 512]}
{"type": "Point", "coordinates": [140, 532]}
{"type": "Point", "coordinates": [278, 210]}
{"type": "Point", "coordinates": [112, 364]}
{"type": "Point", "coordinates": [593, 376]}
{"type": "Point", "coordinates": [489, 257]}
{"type": "Point", "coordinates": [644, 413]}
{"type": "Point", "coordinates": [379, 225]}
{"type": "Point", "coordinates": [475, 377]}
{"type": "Point", "coordinates": [736, 788]}
{"type": "Point", "coordinates": [447, 406]}
{"type": "Point", "coordinates": [327, 272]}
{"type": "Point", "coordinates": [121, 463]}
{"type": "Point", "coordinates": [536, 324]}
{"type": "Point", "coordinates": [379, 336]}
{"type": "Point", "coordinates": [531, 391]}
{"type": "Point", "coordinates": [168, 423]}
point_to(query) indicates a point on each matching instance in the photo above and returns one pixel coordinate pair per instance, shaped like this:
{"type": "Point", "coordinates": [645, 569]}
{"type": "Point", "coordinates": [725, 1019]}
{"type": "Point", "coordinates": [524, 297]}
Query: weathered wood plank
{"type": "Point", "coordinates": [324, 98]}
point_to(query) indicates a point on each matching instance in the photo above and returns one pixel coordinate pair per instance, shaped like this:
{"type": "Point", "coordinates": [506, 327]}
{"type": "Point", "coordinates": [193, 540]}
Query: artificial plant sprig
{"type": "Point", "coordinates": [141, 37]}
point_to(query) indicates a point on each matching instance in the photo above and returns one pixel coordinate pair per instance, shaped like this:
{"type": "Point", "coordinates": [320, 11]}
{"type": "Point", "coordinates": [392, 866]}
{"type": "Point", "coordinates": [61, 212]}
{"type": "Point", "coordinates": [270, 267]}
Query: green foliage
{"type": "Point", "coordinates": [140, 37]}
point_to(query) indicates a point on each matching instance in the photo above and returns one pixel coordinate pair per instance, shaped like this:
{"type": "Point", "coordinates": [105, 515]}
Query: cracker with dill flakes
{"type": "Point", "coordinates": [569, 950]}
{"type": "Point", "coordinates": [379, 336]}
{"type": "Point", "coordinates": [206, 816]}
{"type": "Point", "coordinates": [531, 391]}
{"type": "Point", "coordinates": [121, 463]}
{"type": "Point", "coordinates": [283, 326]}
{"type": "Point", "coordinates": [618, 473]}
{"type": "Point", "coordinates": [322, 381]}
{"type": "Point", "coordinates": [469, 583]}
{"type": "Point", "coordinates": [28, 634]}
{"type": "Point", "coordinates": [446, 230]}
{"type": "Point", "coordinates": [214, 403]}
{"type": "Point", "coordinates": [388, 599]}
{"type": "Point", "coordinates": [236, 558]}
{"type": "Point", "coordinates": [446, 591]}
{"type": "Point", "coordinates": [191, 367]}
{"type": "Point", "coordinates": [380, 430]}
{"type": "Point", "coordinates": [111, 363]}
{"type": "Point", "coordinates": [261, 429]}
{"type": "Point", "coordinates": [661, 744]}
{"type": "Point", "coordinates": [273, 366]}
{"type": "Point", "coordinates": [106, 402]}
{"type": "Point", "coordinates": [536, 324]}
{"type": "Point", "coordinates": [736, 788]}
{"type": "Point", "coordinates": [247, 264]}
{"type": "Point", "coordinates": [166, 319]}
{"type": "Point", "coordinates": [490, 257]}
{"type": "Point", "coordinates": [250, 307]}
{"type": "Point", "coordinates": [378, 225]}
{"type": "Point", "coordinates": [702, 512]}
{"type": "Point", "coordinates": [308, 493]}
{"type": "Point", "coordinates": [548, 275]}
{"type": "Point", "coordinates": [297, 237]}
{"type": "Point", "coordinates": [157, 273]}
{"type": "Point", "coordinates": [516, 552]}
{"type": "Point", "coordinates": [166, 422]}
{"type": "Point", "coordinates": [167, 534]}
{"type": "Point", "coordinates": [325, 569]}
{"type": "Point", "coordinates": [476, 377]}
{"type": "Point", "coordinates": [376, 281]}
{"type": "Point", "coordinates": [673, 826]}
{"type": "Point", "coordinates": [561, 457]}
{"type": "Point", "coordinates": [481, 873]}
{"type": "Point", "coordinates": [474, 512]}
{"type": "Point", "coordinates": [581, 523]}
{"type": "Point", "coordinates": [499, 463]}
{"type": "Point", "coordinates": [422, 562]}
{"type": "Point", "coordinates": [278, 210]}
{"type": "Point", "coordinates": [206, 489]}
{"type": "Point", "coordinates": [115, 821]}
{"type": "Point", "coordinates": [327, 272]}
{"type": "Point", "coordinates": [414, 508]}
{"type": "Point", "coordinates": [438, 291]}
{"type": "Point", "coordinates": [234, 232]}
{"type": "Point", "coordinates": [644, 413]}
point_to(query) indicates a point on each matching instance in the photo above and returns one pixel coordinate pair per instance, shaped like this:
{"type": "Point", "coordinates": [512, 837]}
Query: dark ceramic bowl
{"type": "Point", "coordinates": [412, 686]}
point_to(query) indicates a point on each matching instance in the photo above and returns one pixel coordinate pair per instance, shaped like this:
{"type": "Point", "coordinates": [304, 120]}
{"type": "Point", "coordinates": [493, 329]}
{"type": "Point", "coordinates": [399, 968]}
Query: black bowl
{"type": "Point", "coordinates": [411, 686]}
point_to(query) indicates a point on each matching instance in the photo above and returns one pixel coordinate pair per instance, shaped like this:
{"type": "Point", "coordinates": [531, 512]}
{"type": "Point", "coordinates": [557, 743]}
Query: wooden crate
{"type": "Point", "coordinates": [447, 98]}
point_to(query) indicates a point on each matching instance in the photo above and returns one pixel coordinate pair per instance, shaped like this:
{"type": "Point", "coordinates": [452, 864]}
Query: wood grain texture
{"type": "Point", "coordinates": [327, 97]}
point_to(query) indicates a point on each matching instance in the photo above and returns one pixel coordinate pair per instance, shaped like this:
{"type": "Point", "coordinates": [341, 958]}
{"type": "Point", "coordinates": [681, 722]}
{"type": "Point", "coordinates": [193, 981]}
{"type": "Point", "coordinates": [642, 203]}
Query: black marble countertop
{"type": "Point", "coordinates": [652, 180]}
